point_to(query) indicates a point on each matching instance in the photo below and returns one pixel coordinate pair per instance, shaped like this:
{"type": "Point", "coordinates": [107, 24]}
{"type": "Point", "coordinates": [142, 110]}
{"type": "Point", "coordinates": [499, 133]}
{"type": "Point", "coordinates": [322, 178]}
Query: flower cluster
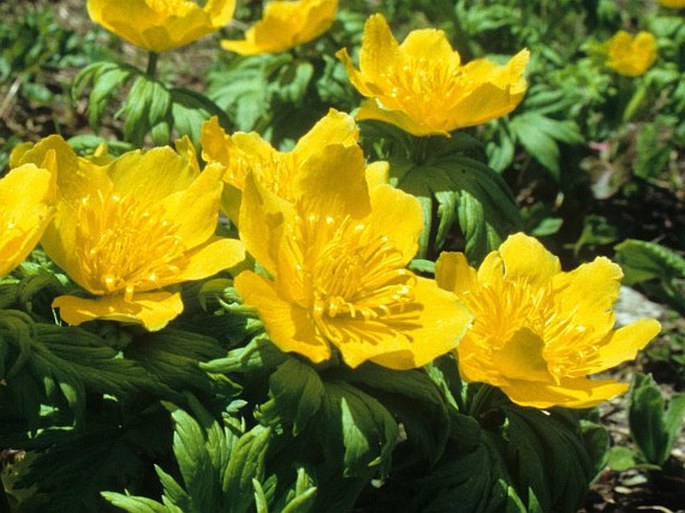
{"type": "Point", "coordinates": [162, 25]}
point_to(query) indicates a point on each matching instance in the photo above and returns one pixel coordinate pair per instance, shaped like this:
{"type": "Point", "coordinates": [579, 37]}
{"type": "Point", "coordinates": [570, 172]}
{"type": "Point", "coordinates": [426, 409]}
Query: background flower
{"type": "Point", "coordinates": [160, 25]}
{"type": "Point", "coordinates": [285, 25]}
{"type": "Point", "coordinates": [421, 85]}
{"type": "Point", "coordinates": [629, 55]}
{"type": "Point", "coordinates": [337, 255]}
{"type": "Point", "coordinates": [538, 331]}
{"type": "Point", "coordinates": [125, 230]}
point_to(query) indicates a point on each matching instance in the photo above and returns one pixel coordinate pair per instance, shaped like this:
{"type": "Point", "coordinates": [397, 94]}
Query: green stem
{"type": "Point", "coordinates": [152, 64]}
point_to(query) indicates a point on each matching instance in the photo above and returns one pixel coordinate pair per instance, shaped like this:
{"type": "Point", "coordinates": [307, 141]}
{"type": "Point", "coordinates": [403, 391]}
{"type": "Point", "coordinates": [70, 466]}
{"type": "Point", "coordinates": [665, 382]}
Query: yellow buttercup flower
{"type": "Point", "coordinates": [161, 25]}
{"type": "Point", "coordinates": [629, 55]}
{"type": "Point", "coordinates": [337, 254]}
{"type": "Point", "coordinates": [27, 197]}
{"type": "Point", "coordinates": [421, 85]}
{"type": "Point", "coordinates": [284, 25]}
{"type": "Point", "coordinates": [538, 331]}
{"type": "Point", "coordinates": [245, 153]}
{"type": "Point", "coordinates": [127, 229]}
{"type": "Point", "coordinates": [673, 4]}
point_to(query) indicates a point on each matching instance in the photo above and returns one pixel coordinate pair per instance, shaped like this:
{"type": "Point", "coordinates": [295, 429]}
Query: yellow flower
{"type": "Point", "coordinates": [538, 331]}
{"type": "Point", "coordinates": [337, 255]}
{"type": "Point", "coordinates": [161, 25]}
{"type": "Point", "coordinates": [244, 153]}
{"type": "Point", "coordinates": [285, 25]}
{"type": "Point", "coordinates": [125, 230]}
{"type": "Point", "coordinates": [421, 85]}
{"type": "Point", "coordinates": [27, 196]}
{"type": "Point", "coordinates": [631, 56]}
{"type": "Point", "coordinates": [673, 4]}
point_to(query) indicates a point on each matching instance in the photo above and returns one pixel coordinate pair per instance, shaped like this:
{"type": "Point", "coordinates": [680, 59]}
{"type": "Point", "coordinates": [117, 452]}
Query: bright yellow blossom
{"type": "Point", "coordinates": [244, 153]}
{"type": "Point", "coordinates": [27, 197]}
{"type": "Point", "coordinates": [284, 25]}
{"type": "Point", "coordinates": [673, 4]}
{"type": "Point", "coordinates": [127, 229]}
{"type": "Point", "coordinates": [161, 25]}
{"type": "Point", "coordinates": [538, 331]}
{"type": "Point", "coordinates": [631, 56]}
{"type": "Point", "coordinates": [421, 85]}
{"type": "Point", "coordinates": [337, 254]}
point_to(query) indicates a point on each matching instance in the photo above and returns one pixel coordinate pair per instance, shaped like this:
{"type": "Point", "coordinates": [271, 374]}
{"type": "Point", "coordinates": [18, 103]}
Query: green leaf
{"type": "Point", "coordinates": [296, 392]}
{"type": "Point", "coordinates": [293, 81]}
{"type": "Point", "coordinates": [357, 430]}
{"type": "Point", "coordinates": [172, 356]}
{"type": "Point", "coordinates": [642, 261]}
{"type": "Point", "coordinates": [654, 428]}
{"type": "Point", "coordinates": [540, 136]}
{"type": "Point", "coordinates": [190, 110]}
{"type": "Point", "coordinates": [134, 504]}
{"type": "Point", "coordinates": [485, 207]}
{"type": "Point", "coordinates": [246, 463]}
{"type": "Point", "coordinates": [259, 355]}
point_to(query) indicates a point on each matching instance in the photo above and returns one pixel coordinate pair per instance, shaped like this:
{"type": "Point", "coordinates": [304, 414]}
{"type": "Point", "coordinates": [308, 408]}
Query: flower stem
{"type": "Point", "coordinates": [152, 64]}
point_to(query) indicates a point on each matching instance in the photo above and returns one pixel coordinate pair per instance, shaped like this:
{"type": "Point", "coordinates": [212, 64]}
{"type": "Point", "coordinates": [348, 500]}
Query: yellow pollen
{"type": "Point", "coordinates": [123, 245]}
{"type": "Point", "coordinates": [347, 271]}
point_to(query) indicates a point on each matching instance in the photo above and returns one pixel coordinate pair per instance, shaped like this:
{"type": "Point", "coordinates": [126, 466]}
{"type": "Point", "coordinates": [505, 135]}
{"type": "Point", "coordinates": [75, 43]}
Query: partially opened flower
{"type": "Point", "coordinates": [284, 25]}
{"type": "Point", "coordinates": [27, 197]}
{"type": "Point", "coordinates": [161, 25]}
{"type": "Point", "coordinates": [126, 230]}
{"type": "Point", "coordinates": [337, 257]}
{"type": "Point", "coordinates": [421, 85]}
{"type": "Point", "coordinates": [539, 332]}
{"type": "Point", "coordinates": [629, 55]}
{"type": "Point", "coordinates": [244, 153]}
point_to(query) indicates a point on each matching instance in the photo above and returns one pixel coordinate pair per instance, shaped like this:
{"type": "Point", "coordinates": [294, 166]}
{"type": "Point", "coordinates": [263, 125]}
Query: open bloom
{"type": "Point", "coordinates": [125, 230]}
{"type": "Point", "coordinates": [421, 85]}
{"type": "Point", "coordinates": [284, 25]}
{"type": "Point", "coordinates": [244, 153]}
{"type": "Point", "coordinates": [161, 25]}
{"type": "Point", "coordinates": [538, 331]}
{"type": "Point", "coordinates": [629, 55]}
{"type": "Point", "coordinates": [27, 197]}
{"type": "Point", "coordinates": [337, 256]}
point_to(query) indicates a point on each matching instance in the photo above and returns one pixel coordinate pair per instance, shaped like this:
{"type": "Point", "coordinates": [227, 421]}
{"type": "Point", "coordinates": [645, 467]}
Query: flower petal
{"type": "Point", "coordinates": [527, 259]}
{"type": "Point", "coordinates": [589, 292]}
{"type": "Point", "coordinates": [453, 273]}
{"type": "Point", "coordinates": [371, 110]}
{"type": "Point", "coordinates": [152, 174]}
{"type": "Point", "coordinates": [333, 183]}
{"type": "Point", "coordinates": [208, 259]}
{"type": "Point", "coordinates": [429, 43]}
{"type": "Point", "coordinates": [570, 393]}
{"type": "Point", "coordinates": [379, 51]}
{"type": "Point", "coordinates": [153, 310]}
{"type": "Point", "coordinates": [334, 128]}
{"type": "Point", "coordinates": [622, 345]}
{"type": "Point", "coordinates": [397, 216]}
{"type": "Point", "coordinates": [195, 210]}
{"type": "Point", "coordinates": [27, 194]}
{"type": "Point", "coordinates": [289, 326]}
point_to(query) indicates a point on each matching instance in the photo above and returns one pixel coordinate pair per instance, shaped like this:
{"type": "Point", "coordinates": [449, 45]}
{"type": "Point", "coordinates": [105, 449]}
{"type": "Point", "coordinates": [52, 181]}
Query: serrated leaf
{"type": "Point", "coordinates": [134, 504]}
{"type": "Point", "coordinates": [106, 81]}
{"type": "Point", "coordinates": [357, 430]}
{"type": "Point", "coordinates": [246, 463]}
{"type": "Point", "coordinates": [293, 81]}
{"type": "Point", "coordinates": [296, 392]}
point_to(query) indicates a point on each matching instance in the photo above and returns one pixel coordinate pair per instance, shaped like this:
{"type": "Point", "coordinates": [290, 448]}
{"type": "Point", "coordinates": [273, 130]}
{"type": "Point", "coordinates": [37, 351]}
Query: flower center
{"type": "Point", "coordinates": [122, 244]}
{"type": "Point", "coordinates": [419, 81]}
{"type": "Point", "coordinates": [347, 271]}
{"type": "Point", "coordinates": [505, 309]}
{"type": "Point", "coordinates": [171, 7]}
